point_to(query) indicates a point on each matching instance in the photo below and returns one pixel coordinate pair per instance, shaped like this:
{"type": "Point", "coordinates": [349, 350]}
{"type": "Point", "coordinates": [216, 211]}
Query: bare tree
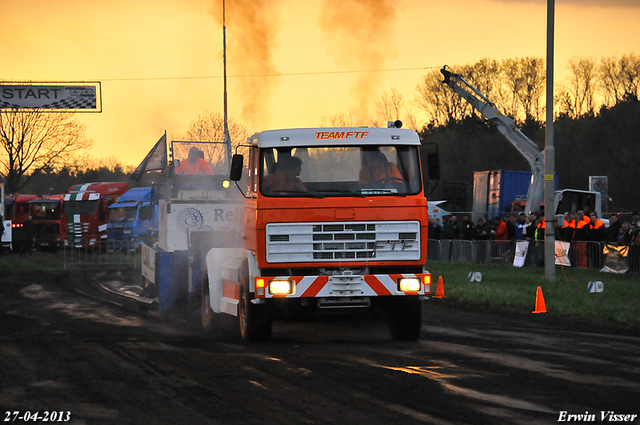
{"type": "Point", "coordinates": [440, 103]}
{"type": "Point", "coordinates": [620, 78]}
{"type": "Point", "coordinates": [630, 75]}
{"type": "Point", "coordinates": [483, 75]}
{"type": "Point", "coordinates": [522, 88]}
{"type": "Point", "coordinates": [610, 79]}
{"type": "Point", "coordinates": [341, 119]}
{"type": "Point", "coordinates": [210, 128]}
{"type": "Point", "coordinates": [33, 141]}
{"type": "Point", "coordinates": [390, 105]}
{"type": "Point", "coordinates": [578, 97]}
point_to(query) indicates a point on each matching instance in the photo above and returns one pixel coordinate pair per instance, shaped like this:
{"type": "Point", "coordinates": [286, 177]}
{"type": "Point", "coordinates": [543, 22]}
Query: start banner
{"type": "Point", "coordinates": [59, 97]}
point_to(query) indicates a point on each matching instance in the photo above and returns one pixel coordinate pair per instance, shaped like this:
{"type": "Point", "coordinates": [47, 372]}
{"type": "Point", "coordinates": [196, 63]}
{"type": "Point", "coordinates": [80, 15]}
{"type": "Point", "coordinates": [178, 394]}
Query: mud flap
{"type": "Point", "coordinates": [172, 274]}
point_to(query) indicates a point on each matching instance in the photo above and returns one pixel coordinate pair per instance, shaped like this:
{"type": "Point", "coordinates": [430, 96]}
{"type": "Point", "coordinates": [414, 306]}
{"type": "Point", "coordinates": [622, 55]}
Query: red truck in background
{"type": "Point", "coordinates": [17, 210]}
{"type": "Point", "coordinates": [48, 221]}
{"type": "Point", "coordinates": [86, 207]}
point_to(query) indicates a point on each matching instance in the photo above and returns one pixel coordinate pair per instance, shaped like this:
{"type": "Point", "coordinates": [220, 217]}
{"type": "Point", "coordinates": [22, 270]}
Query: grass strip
{"type": "Point", "coordinates": [513, 289]}
{"type": "Point", "coordinates": [503, 288]}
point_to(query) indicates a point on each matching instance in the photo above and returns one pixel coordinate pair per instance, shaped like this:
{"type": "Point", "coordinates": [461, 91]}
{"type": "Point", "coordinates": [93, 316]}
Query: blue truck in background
{"type": "Point", "coordinates": [133, 220]}
{"type": "Point", "coordinates": [500, 191]}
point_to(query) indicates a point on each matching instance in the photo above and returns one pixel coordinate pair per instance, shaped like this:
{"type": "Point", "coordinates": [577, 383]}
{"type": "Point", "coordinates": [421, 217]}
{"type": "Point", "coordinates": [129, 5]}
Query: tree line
{"type": "Point", "coordinates": [596, 127]}
{"type": "Point", "coordinates": [596, 131]}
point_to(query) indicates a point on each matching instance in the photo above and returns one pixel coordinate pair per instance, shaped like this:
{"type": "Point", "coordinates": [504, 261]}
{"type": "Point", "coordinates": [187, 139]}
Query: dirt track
{"type": "Point", "coordinates": [66, 352]}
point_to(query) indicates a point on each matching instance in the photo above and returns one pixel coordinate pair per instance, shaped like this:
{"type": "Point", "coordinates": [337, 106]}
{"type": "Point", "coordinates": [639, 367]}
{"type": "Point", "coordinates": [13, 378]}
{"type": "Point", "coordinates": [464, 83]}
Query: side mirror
{"type": "Point", "coordinates": [433, 164]}
{"type": "Point", "coordinates": [236, 167]}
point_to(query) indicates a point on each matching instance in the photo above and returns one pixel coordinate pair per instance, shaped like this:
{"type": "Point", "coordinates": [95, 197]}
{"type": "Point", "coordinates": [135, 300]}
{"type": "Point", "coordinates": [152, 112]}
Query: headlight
{"type": "Point", "coordinates": [409, 284]}
{"type": "Point", "coordinates": [281, 287]}
{"type": "Point", "coordinates": [226, 184]}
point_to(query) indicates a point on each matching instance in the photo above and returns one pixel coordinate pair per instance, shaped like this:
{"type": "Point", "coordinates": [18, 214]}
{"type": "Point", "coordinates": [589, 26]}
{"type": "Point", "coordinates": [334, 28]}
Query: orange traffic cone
{"type": "Point", "coordinates": [440, 288]}
{"type": "Point", "coordinates": [540, 305]}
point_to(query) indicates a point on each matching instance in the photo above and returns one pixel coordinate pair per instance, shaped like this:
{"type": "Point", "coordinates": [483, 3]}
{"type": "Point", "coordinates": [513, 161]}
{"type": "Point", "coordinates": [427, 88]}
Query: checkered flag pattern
{"type": "Point", "coordinates": [25, 97]}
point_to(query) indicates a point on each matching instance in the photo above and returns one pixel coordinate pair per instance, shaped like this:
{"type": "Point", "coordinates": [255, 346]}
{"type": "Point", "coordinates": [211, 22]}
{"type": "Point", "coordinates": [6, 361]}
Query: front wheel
{"type": "Point", "coordinates": [255, 319]}
{"type": "Point", "coordinates": [405, 318]}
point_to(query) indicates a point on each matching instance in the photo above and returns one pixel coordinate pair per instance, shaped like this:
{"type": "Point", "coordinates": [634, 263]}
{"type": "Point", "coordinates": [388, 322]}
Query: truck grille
{"type": "Point", "coordinates": [46, 228]}
{"type": "Point", "coordinates": [309, 242]}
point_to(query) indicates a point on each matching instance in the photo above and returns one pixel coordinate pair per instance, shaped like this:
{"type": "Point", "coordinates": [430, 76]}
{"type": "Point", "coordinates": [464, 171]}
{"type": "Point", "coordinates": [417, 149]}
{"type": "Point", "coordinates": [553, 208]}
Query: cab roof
{"type": "Point", "coordinates": [335, 136]}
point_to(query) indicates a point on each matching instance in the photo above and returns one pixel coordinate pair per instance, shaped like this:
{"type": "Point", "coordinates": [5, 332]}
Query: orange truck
{"type": "Point", "coordinates": [335, 221]}
{"type": "Point", "coordinates": [86, 207]}
{"type": "Point", "coordinates": [48, 221]}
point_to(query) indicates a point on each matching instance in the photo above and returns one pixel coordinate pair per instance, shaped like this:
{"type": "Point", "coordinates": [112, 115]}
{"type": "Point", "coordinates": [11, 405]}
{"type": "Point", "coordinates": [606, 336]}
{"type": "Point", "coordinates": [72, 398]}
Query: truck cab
{"type": "Point", "coordinates": [86, 207]}
{"type": "Point", "coordinates": [17, 211]}
{"type": "Point", "coordinates": [132, 220]}
{"type": "Point", "coordinates": [335, 221]}
{"type": "Point", "coordinates": [48, 221]}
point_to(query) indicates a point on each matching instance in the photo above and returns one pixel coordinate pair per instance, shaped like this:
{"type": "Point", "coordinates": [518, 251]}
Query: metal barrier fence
{"type": "Point", "coordinates": [101, 255]}
{"type": "Point", "coordinates": [581, 254]}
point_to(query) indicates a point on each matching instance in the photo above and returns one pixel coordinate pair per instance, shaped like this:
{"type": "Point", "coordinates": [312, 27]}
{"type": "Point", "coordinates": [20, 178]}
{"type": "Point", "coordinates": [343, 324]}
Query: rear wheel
{"type": "Point", "coordinates": [255, 319]}
{"type": "Point", "coordinates": [405, 318]}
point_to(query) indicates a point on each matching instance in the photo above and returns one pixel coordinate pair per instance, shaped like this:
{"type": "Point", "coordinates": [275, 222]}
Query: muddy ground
{"type": "Point", "coordinates": [85, 357]}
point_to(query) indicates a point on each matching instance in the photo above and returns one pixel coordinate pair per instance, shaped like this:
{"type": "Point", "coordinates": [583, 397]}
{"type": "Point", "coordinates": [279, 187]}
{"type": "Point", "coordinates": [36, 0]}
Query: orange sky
{"type": "Point", "coordinates": [160, 61]}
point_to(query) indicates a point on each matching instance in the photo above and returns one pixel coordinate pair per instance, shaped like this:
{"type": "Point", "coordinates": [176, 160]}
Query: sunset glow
{"type": "Point", "coordinates": [291, 63]}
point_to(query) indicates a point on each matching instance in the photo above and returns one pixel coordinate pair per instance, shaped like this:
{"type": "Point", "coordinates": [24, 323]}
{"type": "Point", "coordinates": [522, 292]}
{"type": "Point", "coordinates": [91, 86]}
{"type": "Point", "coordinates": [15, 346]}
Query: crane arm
{"type": "Point", "coordinates": [509, 130]}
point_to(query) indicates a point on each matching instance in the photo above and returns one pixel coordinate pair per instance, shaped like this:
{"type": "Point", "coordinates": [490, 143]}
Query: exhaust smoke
{"type": "Point", "coordinates": [250, 29]}
{"type": "Point", "coordinates": [362, 31]}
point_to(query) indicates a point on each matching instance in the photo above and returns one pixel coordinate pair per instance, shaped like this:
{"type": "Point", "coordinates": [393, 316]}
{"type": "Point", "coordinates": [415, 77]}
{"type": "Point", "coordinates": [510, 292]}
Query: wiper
{"type": "Point", "coordinates": [297, 193]}
{"type": "Point", "coordinates": [345, 192]}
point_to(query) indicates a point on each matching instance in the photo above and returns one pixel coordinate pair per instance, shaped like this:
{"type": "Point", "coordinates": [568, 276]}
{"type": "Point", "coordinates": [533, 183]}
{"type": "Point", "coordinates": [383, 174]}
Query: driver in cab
{"type": "Point", "coordinates": [195, 164]}
{"type": "Point", "coordinates": [284, 177]}
{"type": "Point", "coordinates": [378, 170]}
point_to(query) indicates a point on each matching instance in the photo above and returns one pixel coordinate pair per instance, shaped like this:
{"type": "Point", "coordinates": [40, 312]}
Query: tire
{"type": "Point", "coordinates": [205, 306]}
{"type": "Point", "coordinates": [254, 319]}
{"type": "Point", "coordinates": [405, 318]}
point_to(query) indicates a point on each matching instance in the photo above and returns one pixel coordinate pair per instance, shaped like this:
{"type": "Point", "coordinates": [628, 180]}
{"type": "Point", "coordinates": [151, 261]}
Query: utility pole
{"type": "Point", "coordinates": [227, 137]}
{"type": "Point", "coordinates": [549, 158]}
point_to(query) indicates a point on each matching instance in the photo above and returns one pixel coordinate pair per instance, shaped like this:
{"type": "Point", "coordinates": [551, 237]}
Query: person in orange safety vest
{"type": "Point", "coordinates": [582, 227]}
{"type": "Point", "coordinates": [194, 164]}
{"type": "Point", "coordinates": [597, 227]}
{"type": "Point", "coordinates": [569, 228]}
{"type": "Point", "coordinates": [540, 228]}
{"type": "Point", "coordinates": [378, 170]}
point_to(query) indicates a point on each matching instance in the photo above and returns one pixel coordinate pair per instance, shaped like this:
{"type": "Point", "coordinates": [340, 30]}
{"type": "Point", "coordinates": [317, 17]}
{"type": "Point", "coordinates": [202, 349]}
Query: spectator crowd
{"type": "Point", "coordinates": [582, 226]}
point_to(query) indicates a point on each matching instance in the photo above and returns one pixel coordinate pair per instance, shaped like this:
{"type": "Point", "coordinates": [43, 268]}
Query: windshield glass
{"type": "Point", "coordinates": [81, 207]}
{"type": "Point", "coordinates": [122, 214]}
{"type": "Point", "coordinates": [205, 158]}
{"type": "Point", "coordinates": [340, 171]}
{"type": "Point", "coordinates": [46, 210]}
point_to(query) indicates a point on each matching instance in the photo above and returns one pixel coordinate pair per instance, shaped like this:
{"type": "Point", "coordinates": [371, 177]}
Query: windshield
{"type": "Point", "coordinates": [46, 210]}
{"type": "Point", "coordinates": [81, 207]}
{"type": "Point", "coordinates": [213, 154]}
{"type": "Point", "coordinates": [122, 214]}
{"type": "Point", "coordinates": [340, 171]}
